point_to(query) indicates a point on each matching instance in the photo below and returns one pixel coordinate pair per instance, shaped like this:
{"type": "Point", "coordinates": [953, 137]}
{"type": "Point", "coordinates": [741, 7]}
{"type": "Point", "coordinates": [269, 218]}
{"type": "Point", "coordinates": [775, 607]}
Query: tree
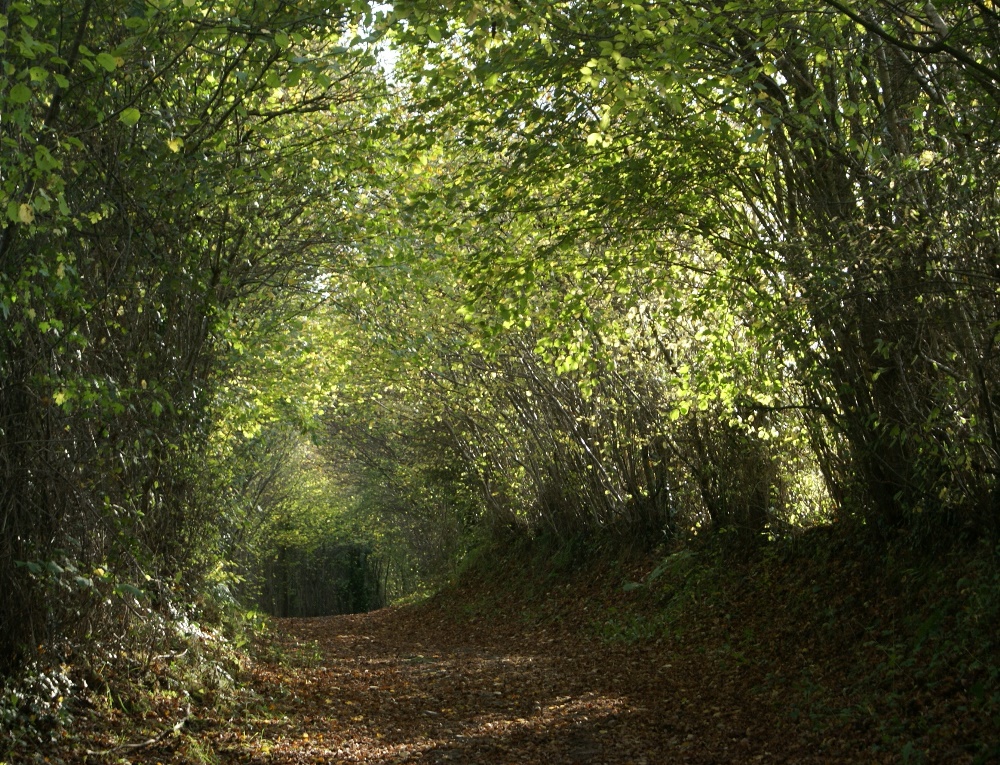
{"type": "Point", "coordinates": [159, 178]}
{"type": "Point", "coordinates": [831, 160]}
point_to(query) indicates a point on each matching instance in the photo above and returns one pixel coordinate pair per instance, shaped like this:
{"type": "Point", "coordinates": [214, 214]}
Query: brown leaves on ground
{"type": "Point", "coordinates": [415, 685]}
{"type": "Point", "coordinates": [572, 672]}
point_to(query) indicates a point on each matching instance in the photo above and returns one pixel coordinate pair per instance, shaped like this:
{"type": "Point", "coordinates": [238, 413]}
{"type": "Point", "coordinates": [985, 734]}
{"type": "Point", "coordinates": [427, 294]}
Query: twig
{"type": "Point", "coordinates": [174, 655]}
{"type": "Point", "coordinates": [149, 742]}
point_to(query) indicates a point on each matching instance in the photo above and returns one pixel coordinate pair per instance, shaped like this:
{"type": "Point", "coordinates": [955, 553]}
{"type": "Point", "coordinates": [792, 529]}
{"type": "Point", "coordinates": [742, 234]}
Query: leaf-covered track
{"type": "Point", "coordinates": [706, 664]}
{"type": "Point", "coordinates": [402, 685]}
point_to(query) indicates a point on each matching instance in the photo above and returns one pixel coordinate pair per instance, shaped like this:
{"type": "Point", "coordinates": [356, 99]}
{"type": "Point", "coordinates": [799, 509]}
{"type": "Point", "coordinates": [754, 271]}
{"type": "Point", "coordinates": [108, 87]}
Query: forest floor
{"type": "Point", "coordinates": [687, 664]}
{"type": "Point", "coordinates": [413, 685]}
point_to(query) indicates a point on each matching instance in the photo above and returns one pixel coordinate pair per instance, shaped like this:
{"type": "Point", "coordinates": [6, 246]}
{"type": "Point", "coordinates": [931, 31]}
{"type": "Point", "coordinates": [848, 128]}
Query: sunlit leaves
{"type": "Point", "coordinates": [107, 61]}
{"type": "Point", "coordinates": [129, 116]}
{"type": "Point", "coordinates": [156, 191]}
{"type": "Point", "coordinates": [25, 214]}
{"type": "Point", "coordinates": [795, 147]}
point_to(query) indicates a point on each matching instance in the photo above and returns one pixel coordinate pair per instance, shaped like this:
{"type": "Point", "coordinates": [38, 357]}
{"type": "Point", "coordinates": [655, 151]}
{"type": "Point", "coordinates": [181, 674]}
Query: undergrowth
{"type": "Point", "coordinates": [160, 673]}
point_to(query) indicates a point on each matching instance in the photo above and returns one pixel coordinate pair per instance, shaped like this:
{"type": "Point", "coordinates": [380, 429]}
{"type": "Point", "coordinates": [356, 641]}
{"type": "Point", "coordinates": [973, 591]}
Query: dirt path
{"type": "Point", "coordinates": [408, 686]}
{"type": "Point", "coordinates": [581, 670]}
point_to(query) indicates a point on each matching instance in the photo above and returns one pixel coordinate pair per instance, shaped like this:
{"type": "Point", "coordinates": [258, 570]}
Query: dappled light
{"type": "Point", "coordinates": [669, 330]}
{"type": "Point", "coordinates": [398, 689]}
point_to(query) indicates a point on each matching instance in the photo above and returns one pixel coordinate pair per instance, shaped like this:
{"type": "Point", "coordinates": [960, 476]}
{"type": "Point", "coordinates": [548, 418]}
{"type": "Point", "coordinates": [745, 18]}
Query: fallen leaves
{"type": "Point", "coordinates": [471, 678]}
{"type": "Point", "coordinates": [410, 685]}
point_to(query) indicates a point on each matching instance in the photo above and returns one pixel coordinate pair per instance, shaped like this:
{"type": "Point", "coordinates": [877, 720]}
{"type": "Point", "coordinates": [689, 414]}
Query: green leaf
{"type": "Point", "coordinates": [129, 589]}
{"type": "Point", "coordinates": [44, 160]}
{"type": "Point", "coordinates": [109, 62]}
{"type": "Point", "coordinates": [129, 116]}
{"type": "Point", "coordinates": [434, 33]}
{"type": "Point", "coordinates": [19, 94]}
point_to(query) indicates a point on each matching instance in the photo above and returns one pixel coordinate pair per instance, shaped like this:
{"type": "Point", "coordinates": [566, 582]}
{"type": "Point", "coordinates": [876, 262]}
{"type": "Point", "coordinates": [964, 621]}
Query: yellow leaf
{"type": "Point", "coordinates": [25, 214]}
{"type": "Point", "coordinates": [175, 144]}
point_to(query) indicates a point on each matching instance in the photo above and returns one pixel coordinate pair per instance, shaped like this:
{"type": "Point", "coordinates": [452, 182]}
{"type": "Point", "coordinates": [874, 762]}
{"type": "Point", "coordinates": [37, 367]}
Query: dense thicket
{"type": "Point", "coordinates": [160, 185]}
{"type": "Point", "coordinates": [731, 266]}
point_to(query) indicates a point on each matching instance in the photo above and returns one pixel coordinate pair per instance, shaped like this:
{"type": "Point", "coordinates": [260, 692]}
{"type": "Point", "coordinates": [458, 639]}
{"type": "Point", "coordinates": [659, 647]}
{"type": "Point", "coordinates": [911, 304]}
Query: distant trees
{"type": "Point", "coordinates": [338, 579]}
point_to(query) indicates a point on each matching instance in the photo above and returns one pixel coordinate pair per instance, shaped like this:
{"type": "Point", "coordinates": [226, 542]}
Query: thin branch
{"type": "Point", "coordinates": [148, 742]}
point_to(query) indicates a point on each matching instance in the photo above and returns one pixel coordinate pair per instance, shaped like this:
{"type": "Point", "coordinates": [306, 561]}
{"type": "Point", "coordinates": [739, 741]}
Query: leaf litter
{"type": "Point", "coordinates": [579, 672]}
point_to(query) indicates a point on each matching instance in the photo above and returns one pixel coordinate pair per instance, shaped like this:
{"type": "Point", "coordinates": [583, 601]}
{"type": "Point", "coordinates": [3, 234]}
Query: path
{"type": "Point", "coordinates": [414, 686]}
